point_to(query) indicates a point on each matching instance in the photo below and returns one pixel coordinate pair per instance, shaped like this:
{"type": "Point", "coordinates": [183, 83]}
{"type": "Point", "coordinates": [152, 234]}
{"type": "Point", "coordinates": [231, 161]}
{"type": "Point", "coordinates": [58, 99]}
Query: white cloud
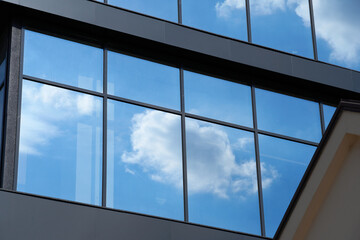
{"type": "Point", "coordinates": [337, 22]}
{"type": "Point", "coordinates": [43, 109]}
{"type": "Point", "coordinates": [212, 165]}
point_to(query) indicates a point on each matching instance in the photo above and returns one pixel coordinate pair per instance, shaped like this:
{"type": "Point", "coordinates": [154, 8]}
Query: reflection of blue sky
{"type": "Point", "coordinates": [144, 161]}
{"type": "Point", "coordinates": [338, 32]}
{"type": "Point", "coordinates": [218, 99]}
{"type": "Point", "coordinates": [287, 115]}
{"type": "Point", "coordinates": [165, 9]}
{"type": "Point", "coordinates": [222, 180]}
{"type": "Point", "coordinates": [214, 16]}
{"type": "Point", "coordinates": [63, 61]}
{"type": "Point", "coordinates": [2, 70]}
{"type": "Point", "coordinates": [328, 113]}
{"type": "Point", "coordinates": [144, 81]}
{"type": "Point", "coordinates": [290, 160]}
{"type": "Point", "coordinates": [60, 143]}
{"type": "Point", "coordinates": [275, 23]}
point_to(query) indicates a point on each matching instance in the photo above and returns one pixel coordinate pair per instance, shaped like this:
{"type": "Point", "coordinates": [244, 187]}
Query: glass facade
{"type": "Point", "coordinates": [283, 25]}
{"type": "Point", "coordinates": [3, 72]}
{"type": "Point", "coordinates": [133, 129]}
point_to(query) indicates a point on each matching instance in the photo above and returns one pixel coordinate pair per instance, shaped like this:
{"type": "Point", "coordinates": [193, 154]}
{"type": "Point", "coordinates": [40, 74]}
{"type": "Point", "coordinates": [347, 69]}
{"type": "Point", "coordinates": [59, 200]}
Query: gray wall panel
{"type": "Point", "coordinates": [29, 217]}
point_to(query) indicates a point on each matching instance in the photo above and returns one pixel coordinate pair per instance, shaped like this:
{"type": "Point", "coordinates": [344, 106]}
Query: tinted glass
{"type": "Point", "coordinates": [144, 164]}
{"type": "Point", "coordinates": [337, 32]}
{"type": "Point", "coordinates": [144, 81]}
{"type": "Point", "coordinates": [60, 153]}
{"type": "Point", "coordinates": [165, 9]}
{"type": "Point", "coordinates": [223, 17]}
{"type": "Point", "coordinates": [221, 172]}
{"type": "Point", "coordinates": [287, 115]}
{"type": "Point", "coordinates": [283, 25]}
{"type": "Point", "coordinates": [2, 69]}
{"type": "Point", "coordinates": [283, 163]}
{"type": "Point", "coordinates": [218, 99]}
{"type": "Point", "coordinates": [63, 61]}
{"type": "Point", "coordinates": [328, 113]}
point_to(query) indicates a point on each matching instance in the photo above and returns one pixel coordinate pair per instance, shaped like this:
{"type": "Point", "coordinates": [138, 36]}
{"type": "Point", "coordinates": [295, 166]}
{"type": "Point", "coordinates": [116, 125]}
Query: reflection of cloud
{"type": "Point", "coordinates": [212, 165]}
{"type": "Point", "coordinates": [337, 22]}
{"type": "Point", "coordinates": [43, 108]}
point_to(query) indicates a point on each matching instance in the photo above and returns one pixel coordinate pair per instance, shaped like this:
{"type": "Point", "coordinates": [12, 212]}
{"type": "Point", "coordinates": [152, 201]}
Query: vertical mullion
{"type": "Point", "coordinates": [179, 11]}
{"type": "Point", "coordinates": [322, 119]}
{"type": "Point", "coordinates": [248, 20]}
{"type": "Point", "coordinates": [313, 33]}
{"type": "Point", "coordinates": [183, 141]}
{"type": "Point", "coordinates": [258, 165]}
{"type": "Point", "coordinates": [104, 165]}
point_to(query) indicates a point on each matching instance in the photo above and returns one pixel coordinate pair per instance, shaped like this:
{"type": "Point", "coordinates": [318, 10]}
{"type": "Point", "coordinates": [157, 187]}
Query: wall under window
{"type": "Point", "coordinates": [105, 128]}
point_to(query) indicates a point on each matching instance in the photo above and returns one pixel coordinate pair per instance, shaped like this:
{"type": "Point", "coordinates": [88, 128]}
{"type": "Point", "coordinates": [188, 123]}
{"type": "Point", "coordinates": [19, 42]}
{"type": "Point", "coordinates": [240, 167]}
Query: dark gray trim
{"type": "Point", "coordinates": [322, 119]}
{"type": "Point", "coordinates": [193, 44]}
{"type": "Point", "coordinates": [313, 32]}
{"type": "Point", "coordinates": [179, 11]}
{"type": "Point", "coordinates": [258, 163]}
{"type": "Point", "coordinates": [183, 144]}
{"type": "Point", "coordinates": [248, 20]}
{"type": "Point", "coordinates": [12, 105]}
{"type": "Point", "coordinates": [104, 143]}
{"type": "Point", "coordinates": [46, 218]}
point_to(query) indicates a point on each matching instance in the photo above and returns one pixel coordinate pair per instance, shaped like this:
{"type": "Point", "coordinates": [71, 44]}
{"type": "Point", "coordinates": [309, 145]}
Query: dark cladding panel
{"type": "Point", "coordinates": [42, 218]}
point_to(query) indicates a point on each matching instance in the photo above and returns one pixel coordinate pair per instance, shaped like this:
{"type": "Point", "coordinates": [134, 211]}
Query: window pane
{"type": "Point", "coordinates": [165, 9]}
{"type": "Point", "coordinates": [223, 17]}
{"type": "Point", "coordinates": [63, 61]}
{"type": "Point", "coordinates": [287, 115]}
{"type": "Point", "coordinates": [222, 182]}
{"type": "Point", "coordinates": [144, 81]}
{"type": "Point", "coordinates": [337, 32]}
{"type": "Point", "coordinates": [2, 68]}
{"type": "Point", "coordinates": [218, 99]}
{"type": "Point", "coordinates": [283, 25]}
{"type": "Point", "coordinates": [60, 153]}
{"type": "Point", "coordinates": [144, 166]}
{"type": "Point", "coordinates": [328, 114]}
{"type": "Point", "coordinates": [283, 164]}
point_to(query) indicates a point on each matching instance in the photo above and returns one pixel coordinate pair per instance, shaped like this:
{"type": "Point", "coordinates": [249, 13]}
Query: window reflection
{"type": "Point", "coordinates": [222, 182]}
{"type": "Point", "coordinates": [283, 25]}
{"type": "Point", "coordinates": [328, 114]}
{"type": "Point", "coordinates": [218, 99]}
{"type": "Point", "coordinates": [283, 164]}
{"type": "Point", "coordinates": [287, 115]}
{"type": "Point", "coordinates": [144, 166]}
{"type": "Point", "coordinates": [337, 32]}
{"type": "Point", "coordinates": [144, 81]}
{"type": "Point", "coordinates": [2, 70]}
{"type": "Point", "coordinates": [60, 151]}
{"type": "Point", "coordinates": [165, 9]}
{"type": "Point", "coordinates": [69, 62]}
{"type": "Point", "coordinates": [223, 17]}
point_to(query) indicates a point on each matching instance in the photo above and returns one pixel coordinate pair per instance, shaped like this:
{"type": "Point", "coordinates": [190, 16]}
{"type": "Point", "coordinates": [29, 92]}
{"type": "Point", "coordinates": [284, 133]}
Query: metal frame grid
{"type": "Point", "coordinates": [104, 95]}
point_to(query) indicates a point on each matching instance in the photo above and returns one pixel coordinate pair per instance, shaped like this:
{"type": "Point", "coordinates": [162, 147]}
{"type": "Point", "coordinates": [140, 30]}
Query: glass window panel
{"type": "Point", "coordinates": [337, 32]}
{"type": "Point", "coordinates": [60, 153]}
{"type": "Point", "coordinates": [144, 81]}
{"type": "Point", "coordinates": [223, 17]}
{"type": "Point", "coordinates": [221, 172]}
{"type": "Point", "coordinates": [218, 99]}
{"type": "Point", "coordinates": [144, 165]}
{"type": "Point", "coordinates": [165, 9]}
{"type": "Point", "coordinates": [328, 114]}
{"type": "Point", "coordinates": [282, 25]}
{"type": "Point", "coordinates": [63, 61]}
{"type": "Point", "coordinates": [2, 69]}
{"type": "Point", "coordinates": [283, 164]}
{"type": "Point", "coordinates": [287, 115]}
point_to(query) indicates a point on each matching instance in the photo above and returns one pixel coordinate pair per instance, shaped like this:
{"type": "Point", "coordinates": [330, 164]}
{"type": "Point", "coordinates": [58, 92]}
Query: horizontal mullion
{"type": "Point", "coordinates": [211, 120]}
{"type": "Point", "coordinates": [142, 104]}
{"type": "Point", "coordinates": [61, 85]}
{"type": "Point", "coordinates": [298, 140]}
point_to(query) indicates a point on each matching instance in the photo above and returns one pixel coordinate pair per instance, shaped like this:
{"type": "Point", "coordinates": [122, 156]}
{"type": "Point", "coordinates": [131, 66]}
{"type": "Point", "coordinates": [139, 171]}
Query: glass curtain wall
{"type": "Point", "coordinates": [105, 128]}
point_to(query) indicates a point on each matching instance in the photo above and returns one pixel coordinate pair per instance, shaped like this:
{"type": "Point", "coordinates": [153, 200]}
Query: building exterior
{"type": "Point", "coordinates": [192, 122]}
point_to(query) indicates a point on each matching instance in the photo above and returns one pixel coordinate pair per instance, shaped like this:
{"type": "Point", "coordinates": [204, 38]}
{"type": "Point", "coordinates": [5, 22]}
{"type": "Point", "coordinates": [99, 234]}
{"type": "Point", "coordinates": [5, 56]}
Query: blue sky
{"type": "Point", "coordinates": [61, 139]}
